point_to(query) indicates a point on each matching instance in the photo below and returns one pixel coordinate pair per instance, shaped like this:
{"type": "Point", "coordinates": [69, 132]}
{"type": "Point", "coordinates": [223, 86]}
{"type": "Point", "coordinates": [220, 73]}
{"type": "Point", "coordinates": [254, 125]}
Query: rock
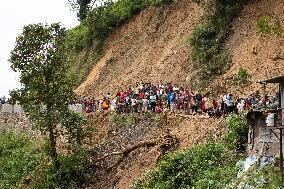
{"type": "Point", "coordinates": [277, 55]}
{"type": "Point", "coordinates": [255, 50]}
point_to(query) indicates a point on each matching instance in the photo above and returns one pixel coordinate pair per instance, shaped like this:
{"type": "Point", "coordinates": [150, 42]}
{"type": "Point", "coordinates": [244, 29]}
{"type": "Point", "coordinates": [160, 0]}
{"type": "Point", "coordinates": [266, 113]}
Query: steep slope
{"type": "Point", "coordinates": [150, 47]}
{"type": "Point", "coordinates": [261, 54]}
{"type": "Point", "coordinates": [153, 47]}
{"type": "Point", "coordinates": [112, 136]}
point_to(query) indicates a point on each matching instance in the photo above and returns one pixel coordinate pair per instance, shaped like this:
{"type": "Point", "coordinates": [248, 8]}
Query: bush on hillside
{"type": "Point", "coordinates": [158, 2]}
{"type": "Point", "coordinates": [203, 166]}
{"type": "Point", "coordinates": [78, 37]}
{"type": "Point", "coordinates": [18, 157]}
{"type": "Point", "coordinates": [238, 130]}
{"type": "Point", "coordinates": [22, 159]}
{"type": "Point", "coordinates": [208, 39]}
{"type": "Point", "coordinates": [269, 25]}
{"type": "Point", "coordinates": [242, 77]}
{"type": "Point", "coordinates": [74, 172]}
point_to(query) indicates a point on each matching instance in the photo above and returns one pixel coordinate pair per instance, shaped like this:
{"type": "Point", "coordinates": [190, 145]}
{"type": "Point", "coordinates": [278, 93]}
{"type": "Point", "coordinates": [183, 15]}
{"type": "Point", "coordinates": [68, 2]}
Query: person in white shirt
{"type": "Point", "coordinates": [240, 105]}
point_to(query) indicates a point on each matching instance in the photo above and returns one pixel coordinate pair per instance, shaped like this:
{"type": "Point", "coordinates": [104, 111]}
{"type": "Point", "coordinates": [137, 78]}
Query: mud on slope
{"type": "Point", "coordinates": [150, 47]}
{"type": "Point", "coordinates": [116, 136]}
{"type": "Point", "coordinates": [261, 54]}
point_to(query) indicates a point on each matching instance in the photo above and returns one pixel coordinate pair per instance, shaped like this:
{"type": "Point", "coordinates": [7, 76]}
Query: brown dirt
{"type": "Point", "coordinates": [193, 130]}
{"type": "Point", "coordinates": [188, 130]}
{"type": "Point", "coordinates": [261, 54]}
{"type": "Point", "coordinates": [150, 47]}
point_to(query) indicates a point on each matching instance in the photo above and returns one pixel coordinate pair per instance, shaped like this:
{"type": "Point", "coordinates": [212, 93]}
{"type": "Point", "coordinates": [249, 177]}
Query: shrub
{"type": "Point", "coordinates": [203, 166]}
{"type": "Point", "coordinates": [74, 172]}
{"type": "Point", "coordinates": [208, 39]}
{"type": "Point", "coordinates": [269, 25]}
{"type": "Point", "coordinates": [242, 77]}
{"type": "Point", "coordinates": [21, 158]}
{"type": "Point", "coordinates": [238, 130]}
{"type": "Point", "coordinates": [18, 157]}
{"type": "Point", "coordinates": [158, 2]}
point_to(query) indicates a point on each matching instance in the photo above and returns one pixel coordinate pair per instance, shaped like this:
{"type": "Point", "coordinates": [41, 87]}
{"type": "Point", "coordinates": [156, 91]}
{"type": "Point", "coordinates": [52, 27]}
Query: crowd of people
{"type": "Point", "coordinates": [156, 98]}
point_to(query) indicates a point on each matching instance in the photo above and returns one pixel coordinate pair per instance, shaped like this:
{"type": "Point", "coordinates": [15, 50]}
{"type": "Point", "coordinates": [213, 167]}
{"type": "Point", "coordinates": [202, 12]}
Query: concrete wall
{"type": "Point", "coordinates": [8, 108]}
{"type": "Point", "coordinates": [12, 118]}
{"type": "Point", "coordinates": [17, 122]}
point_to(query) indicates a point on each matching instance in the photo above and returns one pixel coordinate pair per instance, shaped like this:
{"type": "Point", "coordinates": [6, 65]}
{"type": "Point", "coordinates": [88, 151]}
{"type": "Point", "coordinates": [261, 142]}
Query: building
{"type": "Point", "coordinates": [266, 124]}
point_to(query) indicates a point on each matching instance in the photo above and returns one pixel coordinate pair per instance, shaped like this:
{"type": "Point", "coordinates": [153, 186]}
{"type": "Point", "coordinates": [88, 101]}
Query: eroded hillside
{"type": "Point", "coordinates": [153, 46]}
{"type": "Point", "coordinates": [117, 132]}
{"type": "Point", "coordinates": [261, 54]}
{"type": "Point", "coordinates": [150, 47]}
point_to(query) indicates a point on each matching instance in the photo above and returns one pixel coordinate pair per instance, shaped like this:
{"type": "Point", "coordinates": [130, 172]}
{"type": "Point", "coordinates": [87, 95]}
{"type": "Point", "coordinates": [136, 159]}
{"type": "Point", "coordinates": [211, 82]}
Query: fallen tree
{"type": "Point", "coordinates": [167, 140]}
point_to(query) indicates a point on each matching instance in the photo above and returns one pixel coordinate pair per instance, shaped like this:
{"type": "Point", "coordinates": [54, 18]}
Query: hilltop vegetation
{"type": "Point", "coordinates": [91, 35]}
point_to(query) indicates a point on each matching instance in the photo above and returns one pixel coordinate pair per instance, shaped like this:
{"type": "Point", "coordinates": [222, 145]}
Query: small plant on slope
{"type": "Point", "coordinates": [242, 77]}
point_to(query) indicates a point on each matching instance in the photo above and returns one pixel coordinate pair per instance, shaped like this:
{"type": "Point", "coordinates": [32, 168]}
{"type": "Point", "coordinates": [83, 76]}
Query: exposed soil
{"type": "Point", "coordinates": [186, 131]}
{"type": "Point", "coordinates": [150, 47]}
{"type": "Point", "coordinates": [261, 54]}
{"type": "Point", "coordinates": [153, 47]}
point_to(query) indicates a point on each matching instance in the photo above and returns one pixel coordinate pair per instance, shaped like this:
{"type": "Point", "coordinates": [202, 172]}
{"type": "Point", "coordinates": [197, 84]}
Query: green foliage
{"type": "Point", "coordinates": [18, 157]}
{"type": "Point", "coordinates": [158, 2]}
{"type": "Point", "coordinates": [81, 7]}
{"type": "Point", "coordinates": [102, 21]}
{"type": "Point", "coordinates": [208, 39]}
{"type": "Point", "coordinates": [203, 166]}
{"type": "Point", "coordinates": [238, 130]}
{"type": "Point", "coordinates": [74, 172]}
{"type": "Point", "coordinates": [40, 56]}
{"type": "Point", "coordinates": [90, 36]}
{"type": "Point", "coordinates": [77, 37]}
{"type": "Point", "coordinates": [269, 25]}
{"type": "Point", "coordinates": [242, 77]}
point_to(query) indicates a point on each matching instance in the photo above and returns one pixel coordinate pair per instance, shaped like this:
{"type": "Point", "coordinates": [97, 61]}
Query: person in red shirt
{"type": "Point", "coordinates": [215, 106]}
{"type": "Point", "coordinates": [88, 105]}
{"type": "Point", "coordinates": [159, 107]}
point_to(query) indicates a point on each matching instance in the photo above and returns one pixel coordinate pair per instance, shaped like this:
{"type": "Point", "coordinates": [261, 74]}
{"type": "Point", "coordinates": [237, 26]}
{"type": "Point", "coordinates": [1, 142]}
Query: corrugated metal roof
{"type": "Point", "coordinates": [278, 79]}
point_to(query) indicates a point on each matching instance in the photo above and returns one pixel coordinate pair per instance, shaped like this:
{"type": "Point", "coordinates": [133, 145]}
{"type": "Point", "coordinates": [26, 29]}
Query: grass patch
{"type": "Point", "coordinates": [269, 25]}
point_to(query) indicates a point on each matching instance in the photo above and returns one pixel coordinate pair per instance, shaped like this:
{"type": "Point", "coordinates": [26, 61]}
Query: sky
{"type": "Point", "coordinates": [14, 14]}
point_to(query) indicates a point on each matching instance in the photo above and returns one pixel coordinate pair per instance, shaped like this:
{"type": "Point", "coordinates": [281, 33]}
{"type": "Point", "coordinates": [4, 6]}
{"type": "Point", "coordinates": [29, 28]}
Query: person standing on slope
{"type": "Point", "coordinates": [153, 101]}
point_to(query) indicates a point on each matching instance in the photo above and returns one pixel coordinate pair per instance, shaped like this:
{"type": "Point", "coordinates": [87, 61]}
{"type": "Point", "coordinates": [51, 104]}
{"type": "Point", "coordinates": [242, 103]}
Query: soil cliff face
{"type": "Point", "coordinates": [262, 55]}
{"type": "Point", "coordinates": [177, 130]}
{"type": "Point", "coordinates": [150, 47]}
{"type": "Point", "coordinates": [153, 47]}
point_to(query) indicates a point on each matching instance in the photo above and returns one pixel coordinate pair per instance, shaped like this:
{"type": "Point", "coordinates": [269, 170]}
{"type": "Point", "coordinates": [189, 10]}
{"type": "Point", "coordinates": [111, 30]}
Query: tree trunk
{"type": "Point", "coordinates": [52, 141]}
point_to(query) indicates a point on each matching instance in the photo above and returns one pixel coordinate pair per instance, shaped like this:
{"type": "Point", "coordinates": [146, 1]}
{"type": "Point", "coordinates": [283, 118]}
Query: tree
{"type": "Point", "coordinates": [41, 58]}
{"type": "Point", "coordinates": [81, 7]}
